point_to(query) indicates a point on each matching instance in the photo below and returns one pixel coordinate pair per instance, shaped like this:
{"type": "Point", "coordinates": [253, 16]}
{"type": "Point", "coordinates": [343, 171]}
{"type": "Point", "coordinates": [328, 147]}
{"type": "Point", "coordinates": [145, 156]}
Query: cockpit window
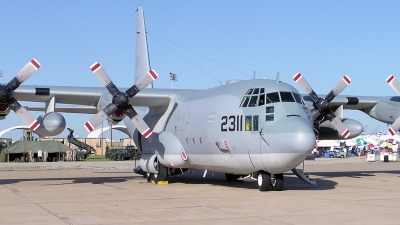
{"type": "Point", "coordinates": [261, 100]}
{"type": "Point", "coordinates": [297, 97]}
{"type": "Point", "coordinates": [254, 97]}
{"type": "Point", "coordinates": [395, 99]}
{"type": "Point", "coordinates": [249, 91]}
{"type": "Point", "coordinates": [287, 96]}
{"type": "Point", "coordinates": [245, 101]}
{"type": "Point", "coordinates": [253, 101]}
{"type": "Point", "coordinates": [273, 97]}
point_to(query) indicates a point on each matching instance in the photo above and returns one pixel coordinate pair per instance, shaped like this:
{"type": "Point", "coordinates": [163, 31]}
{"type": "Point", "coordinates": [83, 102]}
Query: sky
{"type": "Point", "coordinates": [204, 42]}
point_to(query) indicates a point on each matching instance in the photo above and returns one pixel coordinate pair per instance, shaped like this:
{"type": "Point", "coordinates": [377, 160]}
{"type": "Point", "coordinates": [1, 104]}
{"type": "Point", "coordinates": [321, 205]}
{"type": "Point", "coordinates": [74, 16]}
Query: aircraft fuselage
{"type": "Point", "coordinates": [221, 132]}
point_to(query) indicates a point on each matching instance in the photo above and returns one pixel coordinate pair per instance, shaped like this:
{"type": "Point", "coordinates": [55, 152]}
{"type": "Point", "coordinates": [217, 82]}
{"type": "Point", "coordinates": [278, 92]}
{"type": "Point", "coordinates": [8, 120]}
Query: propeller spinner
{"type": "Point", "coordinates": [7, 94]}
{"type": "Point", "coordinates": [120, 101]}
{"type": "Point", "coordinates": [392, 81]}
{"type": "Point", "coordinates": [321, 106]}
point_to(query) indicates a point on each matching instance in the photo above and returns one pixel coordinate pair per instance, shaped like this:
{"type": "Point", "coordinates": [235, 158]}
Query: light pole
{"type": "Point", "coordinates": [174, 77]}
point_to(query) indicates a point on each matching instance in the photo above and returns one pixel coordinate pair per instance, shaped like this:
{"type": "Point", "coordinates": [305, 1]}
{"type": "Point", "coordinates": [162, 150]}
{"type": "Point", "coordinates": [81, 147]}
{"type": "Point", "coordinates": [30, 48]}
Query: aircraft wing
{"type": "Point", "coordinates": [84, 99]}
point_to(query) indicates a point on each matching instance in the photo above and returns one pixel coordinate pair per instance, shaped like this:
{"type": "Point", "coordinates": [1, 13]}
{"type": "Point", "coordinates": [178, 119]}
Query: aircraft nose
{"type": "Point", "coordinates": [290, 140]}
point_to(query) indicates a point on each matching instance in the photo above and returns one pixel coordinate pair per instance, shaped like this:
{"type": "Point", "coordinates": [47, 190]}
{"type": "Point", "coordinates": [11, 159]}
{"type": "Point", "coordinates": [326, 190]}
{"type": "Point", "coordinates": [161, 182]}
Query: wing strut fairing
{"type": "Point", "coordinates": [7, 94]}
{"type": "Point", "coordinates": [120, 101]}
{"type": "Point", "coordinates": [321, 106]}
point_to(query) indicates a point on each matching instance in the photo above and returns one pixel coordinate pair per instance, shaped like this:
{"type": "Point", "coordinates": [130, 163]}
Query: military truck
{"type": "Point", "coordinates": [122, 153]}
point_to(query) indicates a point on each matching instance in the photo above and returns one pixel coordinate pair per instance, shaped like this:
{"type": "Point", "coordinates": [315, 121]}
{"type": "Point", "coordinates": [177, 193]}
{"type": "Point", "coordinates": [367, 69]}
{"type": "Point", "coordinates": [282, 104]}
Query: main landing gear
{"type": "Point", "coordinates": [268, 182]}
{"type": "Point", "coordinates": [162, 174]}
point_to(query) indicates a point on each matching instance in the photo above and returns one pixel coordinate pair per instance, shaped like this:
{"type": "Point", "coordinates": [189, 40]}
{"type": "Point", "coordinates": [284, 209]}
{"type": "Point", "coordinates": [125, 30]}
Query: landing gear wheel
{"type": "Point", "coordinates": [277, 182]}
{"type": "Point", "coordinates": [162, 173]}
{"type": "Point", "coordinates": [230, 177]}
{"type": "Point", "coordinates": [149, 177]}
{"type": "Point", "coordinates": [264, 181]}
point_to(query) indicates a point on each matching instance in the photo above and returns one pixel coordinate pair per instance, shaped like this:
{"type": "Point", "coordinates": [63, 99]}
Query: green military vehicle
{"type": "Point", "coordinates": [122, 153]}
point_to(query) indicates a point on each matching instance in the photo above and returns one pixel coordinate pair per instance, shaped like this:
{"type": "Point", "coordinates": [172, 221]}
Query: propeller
{"type": "Point", "coordinates": [7, 94]}
{"type": "Point", "coordinates": [396, 86]}
{"type": "Point", "coordinates": [120, 101]}
{"type": "Point", "coordinates": [321, 109]}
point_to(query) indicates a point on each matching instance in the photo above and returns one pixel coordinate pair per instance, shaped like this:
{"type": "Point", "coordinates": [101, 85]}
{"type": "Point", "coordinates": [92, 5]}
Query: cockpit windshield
{"type": "Point", "coordinates": [256, 97]}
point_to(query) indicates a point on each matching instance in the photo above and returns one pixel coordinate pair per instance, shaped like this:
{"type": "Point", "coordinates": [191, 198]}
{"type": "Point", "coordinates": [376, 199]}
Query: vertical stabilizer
{"type": "Point", "coordinates": [142, 61]}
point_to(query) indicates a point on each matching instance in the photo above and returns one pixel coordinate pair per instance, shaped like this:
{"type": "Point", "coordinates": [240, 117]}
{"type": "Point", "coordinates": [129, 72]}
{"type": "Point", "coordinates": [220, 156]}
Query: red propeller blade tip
{"type": "Point", "coordinates": [147, 133]}
{"type": "Point", "coordinates": [346, 79]}
{"type": "Point", "coordinates": [35, 125]}
{"type": "Point", "coordinates": [153, 74]}
{"type": "Point", "coordinates": [390, 79]}
{"type": "Point", "coordinates": [95, 66]}
{"type": "Point", "coordinates": [35, 63]}
{"type": "Point", "coordinates": [296, 77]}
{"type": "Point", "coordinates": [89, 126]}
{"type": "Point", "coordinates": [346, 133]}
{"type": "Point", "coordinates": [391, 131]}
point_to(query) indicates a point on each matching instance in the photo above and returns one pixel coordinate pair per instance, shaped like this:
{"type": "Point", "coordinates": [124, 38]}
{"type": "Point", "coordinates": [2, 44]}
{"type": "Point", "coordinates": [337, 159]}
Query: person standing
{"type": "Point", "coordinates": [45, 154]}
{"type": "Point", "coordinates": [74, 155]}
{"type": "Point", "coordinates": [30, 155]}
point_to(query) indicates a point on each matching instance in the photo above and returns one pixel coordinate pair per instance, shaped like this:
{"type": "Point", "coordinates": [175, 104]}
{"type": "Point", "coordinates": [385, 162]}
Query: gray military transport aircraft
{"type": "Point", "coordinates": [251, 129]}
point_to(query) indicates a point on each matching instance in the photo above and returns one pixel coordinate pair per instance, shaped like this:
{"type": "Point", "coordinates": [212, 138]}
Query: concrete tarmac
{"type": "Point", "coordinates": [349, 191]}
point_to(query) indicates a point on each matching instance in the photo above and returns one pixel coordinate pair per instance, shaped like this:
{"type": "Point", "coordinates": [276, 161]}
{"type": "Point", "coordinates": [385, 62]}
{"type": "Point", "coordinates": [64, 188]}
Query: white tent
{"type": "Point", "coordinates": [328, 143]}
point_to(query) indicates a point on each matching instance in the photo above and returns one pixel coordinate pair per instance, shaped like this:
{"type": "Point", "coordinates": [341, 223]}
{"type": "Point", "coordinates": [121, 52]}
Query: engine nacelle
{"type": "Point", "coordinates": [173, 155]}
{"type": "Point", "coordinates": [4, 111]}
{"type": "Point", "coordinates": [328, 132]}
{"type": "Point", "coordinates": [51, 124]}
{"type": "Point", "coordinates": [148, 163]}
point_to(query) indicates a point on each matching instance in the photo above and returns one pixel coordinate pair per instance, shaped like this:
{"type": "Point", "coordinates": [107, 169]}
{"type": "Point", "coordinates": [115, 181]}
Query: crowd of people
{"type": "Point", "coordinates": [43, 156]}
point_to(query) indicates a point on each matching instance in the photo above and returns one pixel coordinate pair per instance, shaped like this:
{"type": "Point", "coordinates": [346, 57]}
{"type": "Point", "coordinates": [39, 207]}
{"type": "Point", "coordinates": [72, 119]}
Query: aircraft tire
{"type": "Point", "coordinates": [162, 173]}
{"type": "Point", "coordinates": [230, 177]}
{"type": "Point", "coordinates": [149, 177]}
{"type": "Point", "coordinates": [264, 181]}
{"type": "Point", "coordinates": [277, 183]}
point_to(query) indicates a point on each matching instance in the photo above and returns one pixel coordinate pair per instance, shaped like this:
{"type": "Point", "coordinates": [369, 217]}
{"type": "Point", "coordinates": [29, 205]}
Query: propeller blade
{"type": "Point", "coordinates": [100, 117]}
{"type": "Point", "coordinates": [303, 84]}
{"type": "Point", "coordinates": [142, 83]}
{"type": "Point", "coordinates": [340, 127]}
{"type": "Point", "coordinates": [395, 126]}
{"type": "Point", "coordinates": [100, 73]}
{"type": "Point", "coordinates": [340, 86]}
{"type": "Point", "coordinates": [137, 120]}
{"type": "Point", "coordinates": [103, 77]}
{"type": "Point", "coordinates": [27, 70]}
{"type": "Point", "coordinates": [392, 81]}
{"type": "Point", "coordinates": [23, 114]}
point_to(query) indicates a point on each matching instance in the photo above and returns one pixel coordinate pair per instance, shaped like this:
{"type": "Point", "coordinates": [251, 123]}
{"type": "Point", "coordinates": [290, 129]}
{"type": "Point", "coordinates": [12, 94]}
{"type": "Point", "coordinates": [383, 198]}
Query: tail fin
{"type": "Point", "coordinates": [142, 61]}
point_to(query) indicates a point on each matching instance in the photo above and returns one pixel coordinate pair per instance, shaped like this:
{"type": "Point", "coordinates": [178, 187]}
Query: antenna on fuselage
{"type": "Point", "coordinates": [277, 77]}
{"type": "Point", "coordinates": [254, 75]}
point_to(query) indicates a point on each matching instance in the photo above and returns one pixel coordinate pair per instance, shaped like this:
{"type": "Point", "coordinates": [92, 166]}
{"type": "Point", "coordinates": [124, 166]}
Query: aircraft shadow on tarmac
{"type": "Point", "coordinates": [196, 177]}
{"type": "Point", "coordinates": [93, 180]}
